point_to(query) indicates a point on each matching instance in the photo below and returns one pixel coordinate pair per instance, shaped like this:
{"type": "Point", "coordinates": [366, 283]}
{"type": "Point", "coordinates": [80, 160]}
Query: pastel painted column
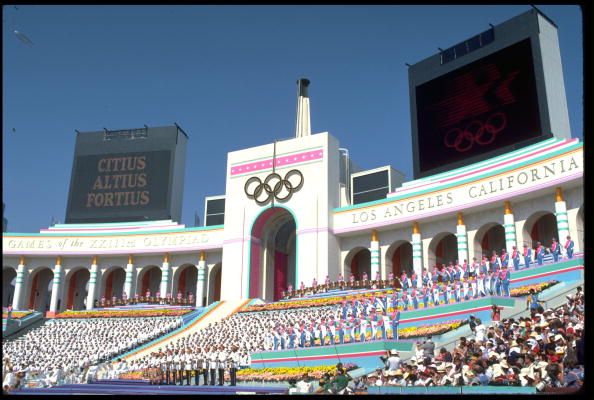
{"type": "Point", "coordinates": [462, 239]}
{"type": "Point", "coordinates": [56, 286]}
{"type": "Point", "coordinates": [92, 284]}
{"type": "Point", "coordinates": [510, 228]}
{"type": "Point", "coordinates": [375, 255]}
{"type": "Point", "coordinates": [18, 287]}
{"type": "Point", "coordinates": [129, 277]}
{"type": "Point", "coordinates": [165, 276]}
{"type": "Point", "coordinates": [201, 280]}
{"type": "Point", "coordinates": [417, 251]}
{"type": "Point", "coordinates": [561, 214]}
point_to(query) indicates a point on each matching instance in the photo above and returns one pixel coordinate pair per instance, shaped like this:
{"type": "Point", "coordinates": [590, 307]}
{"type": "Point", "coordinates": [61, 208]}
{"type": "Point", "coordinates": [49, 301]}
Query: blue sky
{"type": "Point", "coordinates": [226, 75]}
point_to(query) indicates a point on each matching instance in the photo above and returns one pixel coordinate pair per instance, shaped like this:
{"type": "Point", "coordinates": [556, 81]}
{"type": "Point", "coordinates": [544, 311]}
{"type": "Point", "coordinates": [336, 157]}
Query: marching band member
{"type": "Point", "coordinates": [204, 362]}
{"type": "Point", "coordinates": [395, 321]}
{"type": "Point", "coordinates": [569, 247]}
{"type": "Point", "coordinates": [555, 250]}
{"type": "Point", "coordinates": [434, 276]}
{"type": "Point", "coordinates": [188, 367]}
{"type": "Point", "coordinates": [465, 289]}
{"type": "Point", "coordinates": [473, 287]}
{"type": "Point", "coordinates": [212, 364]}
{"type": "Point", "coordinates": [221, 364]}
{"type": "Point", "coordinates": [234, 358]}
{"type": "Point", "coordinates": [540, 252]}
{"type": "Point", "coordinates": [481, 284]}
{"type": "Point", "coordinates": [457, 291]}
{"type": "Point", "coordinates": [527, 255]}
{"type": "Point", "coordinates": [473, 269]}
{"type": "Point", "coordinates": [515, 258]}
{"type": "Point", "coordinates": [504, 276]}
{"type": "Point", "coordinates": [414, 281]}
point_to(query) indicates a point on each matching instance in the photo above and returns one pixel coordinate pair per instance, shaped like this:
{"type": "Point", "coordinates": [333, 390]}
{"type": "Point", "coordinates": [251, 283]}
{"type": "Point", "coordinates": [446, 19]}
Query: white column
{"type": "Point", "coordinates": [417, 252]}
{"type": "Point", "coordinates": [462, 240]}
{"type": "Point", "coordinates": [129, 278]}
{"type": "Point", "coordinates": [165, 276]}
{"type": "Point", "coordinates": [18, 287]}
{"type": "Point", "coordinates": [57, 285]}
{"type": "Point", "coordinates": [375, 255]}
{"type": "Point", "coordinates": [92, 285]}
{"type": "Point", "coordinates": [561, 214]}
{"type": "Point", "coordinates": [510, 229]}
{"type": "Point", "coordinates": [201, 280]}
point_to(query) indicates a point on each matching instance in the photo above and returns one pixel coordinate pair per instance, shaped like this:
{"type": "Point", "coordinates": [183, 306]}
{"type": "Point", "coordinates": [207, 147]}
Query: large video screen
{"type": "Point", "coordinates": [484, 106]}
{"type": "Point", "coordinates": [120, 187]}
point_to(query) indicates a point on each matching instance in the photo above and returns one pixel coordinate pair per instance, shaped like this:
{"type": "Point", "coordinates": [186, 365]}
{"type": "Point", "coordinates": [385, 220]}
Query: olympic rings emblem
{"type": "Point", "coordinates": [273, 186]}
{"type": "Point", "coordinates": [476, 132]}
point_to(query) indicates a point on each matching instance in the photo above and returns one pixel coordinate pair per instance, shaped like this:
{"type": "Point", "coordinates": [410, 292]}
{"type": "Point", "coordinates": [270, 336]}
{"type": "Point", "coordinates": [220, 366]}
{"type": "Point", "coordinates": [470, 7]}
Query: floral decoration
{"type": "Point", "coordinates": [165, 312]}
{"type": "Point", "coordinates": [525, 290]}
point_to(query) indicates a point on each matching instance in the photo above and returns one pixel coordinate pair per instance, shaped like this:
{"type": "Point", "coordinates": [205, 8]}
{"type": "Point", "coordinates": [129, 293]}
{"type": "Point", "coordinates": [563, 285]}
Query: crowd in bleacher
{"type": "Point", "coordinates": [68, 347]}
{"type": "Point", "coordinates": [544, 349]}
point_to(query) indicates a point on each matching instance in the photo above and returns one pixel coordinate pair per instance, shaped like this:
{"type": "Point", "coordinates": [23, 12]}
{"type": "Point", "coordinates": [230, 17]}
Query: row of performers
{"type": "Point", "coordinates": [147, 298]}
{"type": "Point", "coordinates": [172, 367]}
{"type": "Point", "coordinates": [490, 273]}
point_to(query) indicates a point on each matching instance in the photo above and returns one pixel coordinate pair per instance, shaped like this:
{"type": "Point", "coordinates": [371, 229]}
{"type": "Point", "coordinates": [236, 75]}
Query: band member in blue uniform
{"type": "Point", "coordinates": [527, 256]}
{"type": "Point", "coordinates": [569, 247]}
{"type": "Point", "coordinates": [516, 258]}
{"type": "Point", "coordinates": [555, 250]}
{"type": "Point", "coordinates": [504, 277]}
{"type": "Point", "coordinates": [540, 252]}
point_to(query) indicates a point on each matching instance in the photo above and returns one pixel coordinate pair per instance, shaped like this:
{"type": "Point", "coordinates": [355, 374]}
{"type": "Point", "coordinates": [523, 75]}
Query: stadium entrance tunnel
{"type": "Point", "coordinates": [490, 237]}
{"type": "Point", "coordinates": [76, 288]}
{"type": "Point", "coordinates": [541, 227]}
{"type": "Point", "coordinates": [273, 263]}
{"type": "Point", "coordinates": [8, 282]}
{"type": "Point", "coordinates": [443, 249]}
{"type": "Point", "coordinates": [399, 258]}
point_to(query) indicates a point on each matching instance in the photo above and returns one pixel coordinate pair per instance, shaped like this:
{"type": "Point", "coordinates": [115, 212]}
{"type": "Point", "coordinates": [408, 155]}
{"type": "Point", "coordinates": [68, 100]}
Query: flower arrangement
{"type": "Point", "coordinates": [425, 330]}
{"type": "Point", "coordinates": [16, 314]}
{"type": "Point", "coordinates": [124, 313]}
{"type": "Point", "coordinates": [306, 303]}
{"type": "Point", "coordinates": [134, 375]}
{"type": "Point", "coordinates": [281, 374]}
{"type": "Point", "coordinates": [525, 290]}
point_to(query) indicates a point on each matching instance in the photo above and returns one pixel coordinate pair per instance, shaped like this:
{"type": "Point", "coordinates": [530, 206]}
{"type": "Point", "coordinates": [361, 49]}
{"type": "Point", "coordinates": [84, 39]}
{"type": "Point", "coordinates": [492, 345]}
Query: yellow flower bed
{"type": "Point", "coordinates": [319, 302]}
{"type": "Point", "coordinates": [525, 290]}
{"type": "Point", "coordinates": [426, 330]}
{"type": "Point", "coordinates": [285, 373]}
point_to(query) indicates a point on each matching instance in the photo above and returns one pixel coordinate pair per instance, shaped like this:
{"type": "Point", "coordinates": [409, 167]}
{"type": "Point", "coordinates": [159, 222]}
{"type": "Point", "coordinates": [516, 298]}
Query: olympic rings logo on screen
{"type": "Point", "coordinates": [274, 186]}
{"type": "Point", "coordinates": [475, 132]}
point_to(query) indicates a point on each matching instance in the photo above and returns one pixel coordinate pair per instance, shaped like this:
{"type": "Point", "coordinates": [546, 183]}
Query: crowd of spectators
{"type": "Point", "coordinates": [63, 348]}
{"type": "Point", "coordinates": [544, 349]}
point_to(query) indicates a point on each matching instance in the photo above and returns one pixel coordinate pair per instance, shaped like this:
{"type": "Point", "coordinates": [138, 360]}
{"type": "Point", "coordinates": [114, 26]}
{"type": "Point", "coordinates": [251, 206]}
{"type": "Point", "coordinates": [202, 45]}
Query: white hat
{"type": "Point", "coordinates": [394, 352]}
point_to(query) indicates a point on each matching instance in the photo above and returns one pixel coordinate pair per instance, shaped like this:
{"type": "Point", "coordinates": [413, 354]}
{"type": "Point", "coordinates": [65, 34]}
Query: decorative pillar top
{"type": "Point", "coordinates": [507, 207]}
{"type": "Point", "coordinates": [22, 260]}
{"type": "Point", "coordinates": [416, 228]}
{"type": "Point", "coordinates": [460, 219]}
{"type": "Point", "coordinates": [59, 260]}
{"type": "Point", "coordinates": [95, 258]}
{"type": "Point", "coordinates": [130, 259]}
{"type": "Point", "coordinates": [558, 194]}
{"type": "Point", "coordinates": [202, 255]}
{"type": "Point", "coordinates": [374, 235]}
{"type": "Point", "coordinates": [166, 258]}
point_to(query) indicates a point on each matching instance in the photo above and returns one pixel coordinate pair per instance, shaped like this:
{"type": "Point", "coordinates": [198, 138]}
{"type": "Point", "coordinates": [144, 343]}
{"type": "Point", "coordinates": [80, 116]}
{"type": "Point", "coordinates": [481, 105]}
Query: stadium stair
{"type": "Point", "coordinates": [212, 314]}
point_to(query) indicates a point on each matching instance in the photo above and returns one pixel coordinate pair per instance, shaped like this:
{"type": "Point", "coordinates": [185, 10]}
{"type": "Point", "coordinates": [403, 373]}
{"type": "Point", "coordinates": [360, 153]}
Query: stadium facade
{"type": "Point", "coordinates": [289, 215]}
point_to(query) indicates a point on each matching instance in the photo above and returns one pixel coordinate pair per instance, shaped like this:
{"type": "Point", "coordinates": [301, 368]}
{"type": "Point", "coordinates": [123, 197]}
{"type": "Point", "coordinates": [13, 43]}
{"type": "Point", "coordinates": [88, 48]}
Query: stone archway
{"type": "Point", "coordinates": [214, 283]}
{"type": "Point", "coordinates": [399, 258]}
{"type": "Point", "coordinates": [40, 289]}
{"type": "Point", "coordinates": [579, 224]}
{"type": "Point", "coordinates": [489, 237]}
{"type": "Point", "coordinates": [273, 262]}
{"type": "Point", "coordinates": [113, 282]}
{"type": "Point", "coordinates": [149, 278]}
{"type": "Point", "coordinates": [540, 227]}
{"type": "Point", "coordinates": [443, 249]}
{"type": "Point", "coordinates": [184, 280]}
{"type": "Point", "coordinates": [358, 260]}
{"type": "Point", "coordinates": [8, 283]}
{"type": "Point", "coordinates": [76, 286]}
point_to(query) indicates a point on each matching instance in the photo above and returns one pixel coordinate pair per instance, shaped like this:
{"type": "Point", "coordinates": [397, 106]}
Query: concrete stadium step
{"type": "Point", "coordinates": [215, 314]}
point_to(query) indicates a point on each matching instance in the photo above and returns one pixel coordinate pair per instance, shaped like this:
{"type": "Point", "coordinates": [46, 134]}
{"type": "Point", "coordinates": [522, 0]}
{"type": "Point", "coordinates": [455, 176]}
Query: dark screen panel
{"type": "Point", "coordinates": [215, 206]}
{"type": "Point", "coordinates": [217, 219]}
{"type": "Point", "coordinates": [371, 181]}
{"type": "Point", "coordinates": [119, 186]}
{"type": "Point", "coordinates": [486, 105]}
